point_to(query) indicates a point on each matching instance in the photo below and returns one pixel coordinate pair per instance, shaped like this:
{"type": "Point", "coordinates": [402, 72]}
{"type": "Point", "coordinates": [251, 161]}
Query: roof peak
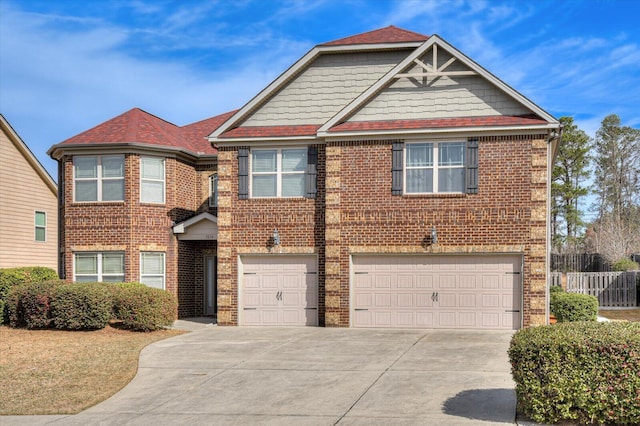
{"type": "Point", "coordinates": [390, 34]}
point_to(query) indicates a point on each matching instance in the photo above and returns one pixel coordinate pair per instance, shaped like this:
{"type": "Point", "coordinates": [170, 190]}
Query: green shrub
{"type": "Point", "coordinates": [29, 305]}
{"type": "Point", "coordinates": [2, 312]}
{"type": "Point", "coordinates": [81, 306]}
{"type": "Point", "coordinates": [11, 277]}
{"type": "Point", "coordinates": [556, 289]}
{"type": "Point", "coordinates": [553, 291]}
{"type": "Point", "coordinates": [143, 308]}
{"type": "Point", "coordinates": [570, 307]}
{"type": "Point", "coordinates": [625, 265]}
{"type": "Point", "coordinates": [584, 372]}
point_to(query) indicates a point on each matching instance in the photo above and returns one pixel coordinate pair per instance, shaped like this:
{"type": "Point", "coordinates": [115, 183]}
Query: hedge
{"type": "Point", "coordinates": [82, 306]}
{"type": "Point", "coordinates": [143, 308]}
{"type": "Point", "coordinates": [584, 372]}
{"type": "Point", "coordinates": [90, 305]}
{"type": "Point", "coordinates": [11, 277]}
{"type": "Point", "coordinates": [570, 307]}
{"type": "Point", "coordinates": [29, 305]}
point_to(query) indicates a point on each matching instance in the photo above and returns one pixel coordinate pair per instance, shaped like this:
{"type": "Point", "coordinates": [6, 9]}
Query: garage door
{"type": "Point", "coordinates": [279, 290]}
{"type": "Point", "coordinates": [437, 291]}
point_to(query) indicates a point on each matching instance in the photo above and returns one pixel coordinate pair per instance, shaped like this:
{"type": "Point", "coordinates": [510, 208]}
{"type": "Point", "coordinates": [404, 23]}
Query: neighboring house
{"type": "Point", "coordinates": [28, 205]}
{"type": "Point", "coordinates": [383, 180]}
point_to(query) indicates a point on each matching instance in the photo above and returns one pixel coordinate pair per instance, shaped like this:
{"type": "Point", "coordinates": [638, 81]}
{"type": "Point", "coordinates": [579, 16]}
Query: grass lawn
{"type": "Point", "coordinates": [65, 372]}
{"type": "Point", "coordinates": [621, 314]}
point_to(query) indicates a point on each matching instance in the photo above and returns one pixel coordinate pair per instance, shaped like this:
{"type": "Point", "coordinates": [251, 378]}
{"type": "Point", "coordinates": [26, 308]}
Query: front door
{"type": "Point", "coordinates": [210, 288]}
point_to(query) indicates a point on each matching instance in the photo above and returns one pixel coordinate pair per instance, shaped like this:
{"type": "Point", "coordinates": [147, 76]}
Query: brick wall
{"type": "Point", "coordinates": [508, 215]}
{"type": "Point", "coordinates": [132, 227]}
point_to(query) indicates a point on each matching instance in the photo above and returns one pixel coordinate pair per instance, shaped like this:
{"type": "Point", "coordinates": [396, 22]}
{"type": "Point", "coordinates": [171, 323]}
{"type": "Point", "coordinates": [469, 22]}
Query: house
{"type": "Point", "coordinates": [28, 205]}
{"type": "Point", "coordinates": [383, 180]}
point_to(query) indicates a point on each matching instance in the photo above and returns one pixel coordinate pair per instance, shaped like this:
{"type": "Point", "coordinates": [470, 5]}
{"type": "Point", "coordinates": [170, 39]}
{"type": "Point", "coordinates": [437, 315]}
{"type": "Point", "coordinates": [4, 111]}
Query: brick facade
{"type": "Point", "coordinates": [132, 227]}
{"type": "Point", "coordinates": [356, 213]}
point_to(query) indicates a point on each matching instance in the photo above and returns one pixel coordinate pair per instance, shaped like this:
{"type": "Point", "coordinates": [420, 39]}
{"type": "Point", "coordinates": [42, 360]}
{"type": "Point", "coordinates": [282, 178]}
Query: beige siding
{"type": "Point", "coordinates": [324, 88]}
{"type": "Point", "coordinates": [455, 96]}
{"type": "Point", "coordinates": [22, 193]}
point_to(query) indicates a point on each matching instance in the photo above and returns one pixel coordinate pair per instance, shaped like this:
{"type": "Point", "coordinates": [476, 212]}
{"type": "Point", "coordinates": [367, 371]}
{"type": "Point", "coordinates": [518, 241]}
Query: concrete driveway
{"type": "Point", "coordinates": [314, 376]}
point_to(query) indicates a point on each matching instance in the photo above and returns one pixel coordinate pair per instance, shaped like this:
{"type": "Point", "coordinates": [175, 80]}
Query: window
{"type": "Point", "coordinates": [435, 167]}
{"type": "Point", "coordinates": [99, 178]}
{"type": "Point", "coordinates": [213, 191]}
{"type": "Point", "coordinates": [152, 269]}
{"type": "Point", "coordinates": [152, 180]}
{"type": "Point", "coordinates": [278, 172]}
{"type": "Point", "coordinates": [41, 226]}
{"type": "Point", "coordinates": [101, 267]}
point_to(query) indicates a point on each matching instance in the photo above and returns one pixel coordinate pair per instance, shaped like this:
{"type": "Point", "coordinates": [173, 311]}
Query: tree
{"type": "Point", "coordinates": [617, 186]}
{"type": "Point", "coordinates": [570, 173]}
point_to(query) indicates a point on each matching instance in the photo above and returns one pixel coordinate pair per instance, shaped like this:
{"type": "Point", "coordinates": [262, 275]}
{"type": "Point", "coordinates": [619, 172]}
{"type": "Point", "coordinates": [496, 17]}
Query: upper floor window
{"type": "Point", "coordinates": [278, 172]}
{"type": "Point", "coordinates": [98, 178]}
{"type": "Point", "coordinates": [152, 269]}
{"type": "Point", "coordinates": [41, 226]}
{"type": "Point", "coordinates": [106, 266]}
{"type": "Point", "coordinates": [435, 167]}
{"type": "Point", "coordinates": [213, 191]}
{"type": "Point", "coordinates": [152, 180]}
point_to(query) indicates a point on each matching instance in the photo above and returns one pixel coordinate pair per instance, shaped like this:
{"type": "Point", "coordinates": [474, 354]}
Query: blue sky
{"type": "Point", "coordinates": [66, 66]}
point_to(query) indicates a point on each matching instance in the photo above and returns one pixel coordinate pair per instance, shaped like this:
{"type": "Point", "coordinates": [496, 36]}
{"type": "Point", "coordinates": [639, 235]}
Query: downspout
{"type": "Point", "coordinates": [61, 243]}
{"type": "Point", "coordinates": [553, 141]}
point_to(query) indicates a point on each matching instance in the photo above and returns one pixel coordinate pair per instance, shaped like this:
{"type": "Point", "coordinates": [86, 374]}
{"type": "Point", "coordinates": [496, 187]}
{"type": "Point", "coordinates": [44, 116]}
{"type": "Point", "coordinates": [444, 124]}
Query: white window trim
{"type": "Point", "coordinates": [164, 268]}
{"type": "Point", "coordinates": [99, 178]}
{"type": "Point", "coordinates": [99, 274]}
{"type": "Point", "coordinates": [213, 190]}
{"type": "Point", "coordinates": [435, 167]}
{"type": "Point", "coordinates": [163, 180]}
{"type": "Point", "coordinates": [278, 171]}
{"type": "Point", "coordinates": [36, 226]}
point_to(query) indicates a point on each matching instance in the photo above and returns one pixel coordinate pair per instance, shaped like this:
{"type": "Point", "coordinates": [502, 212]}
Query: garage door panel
{"type": "Point", "coordinates": [438, 291]}
{"type": "Point", "coordinates": [382, 319]}
{"type": "Point", "coordinates": [448, 281]}
{"type": "Point", "coordinates": [405, 281]}
{"type": "Point", "coordinates": [423, 281]}
{"type": "Point", "coordinates": [383, 281]}
{"type": "Point", "coordinates": [467, 300]}
{"type": "Point", "coordinates": [279, 290]}
{"type": "Point", "coordinates": [382, 300]}
{"type": "Point", "coordinates": [424, 300]}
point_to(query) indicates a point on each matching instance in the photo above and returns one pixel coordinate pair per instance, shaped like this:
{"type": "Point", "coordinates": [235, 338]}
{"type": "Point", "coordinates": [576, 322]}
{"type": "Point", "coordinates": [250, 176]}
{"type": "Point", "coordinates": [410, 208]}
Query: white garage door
{"type": "Point", "coordinates": [432, 291]}
{"type": "Point", "coordinates": [279, 290]}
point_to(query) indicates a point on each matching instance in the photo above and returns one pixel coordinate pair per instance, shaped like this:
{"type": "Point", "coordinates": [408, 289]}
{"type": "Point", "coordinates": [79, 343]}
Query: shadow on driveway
{"type": "Point", "coordinates": [481, 404]}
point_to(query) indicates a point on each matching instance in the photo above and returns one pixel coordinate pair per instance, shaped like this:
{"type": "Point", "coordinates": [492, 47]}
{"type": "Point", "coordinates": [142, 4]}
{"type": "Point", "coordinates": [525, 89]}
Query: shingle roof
{"type": "Point", "coordinates": [388, 34]}
{"type": "Point", "coordinates": [138, 126]}
{"type": "Point", "coordinates": [438, 123]}
{"type": "Point", "coordinates": [195, 134]}
{"type": "Point", "coordinates": [271, 131]}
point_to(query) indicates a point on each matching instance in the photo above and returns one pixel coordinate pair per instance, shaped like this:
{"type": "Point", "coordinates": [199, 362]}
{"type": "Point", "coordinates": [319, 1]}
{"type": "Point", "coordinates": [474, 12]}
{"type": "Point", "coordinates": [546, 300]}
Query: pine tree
{"type": "Point", "coordinates": [569, 175]}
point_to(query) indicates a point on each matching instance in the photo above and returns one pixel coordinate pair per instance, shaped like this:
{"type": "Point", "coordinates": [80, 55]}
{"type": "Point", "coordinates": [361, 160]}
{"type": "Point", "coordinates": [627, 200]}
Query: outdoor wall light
{"type": "Point", "coordinates": [276, 238]}
{"type": "Point", "coordinates": [434, 235]}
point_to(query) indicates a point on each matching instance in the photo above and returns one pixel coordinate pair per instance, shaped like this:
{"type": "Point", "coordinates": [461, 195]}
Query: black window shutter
{"type": "Point", "coordinates": [472, 166]}
{"type": "Point", "coordinates": [311, 187]}
{"type": "Point", "coordinates": [243, 173]}
{"type": "Point", "coordinates": [397, 154]}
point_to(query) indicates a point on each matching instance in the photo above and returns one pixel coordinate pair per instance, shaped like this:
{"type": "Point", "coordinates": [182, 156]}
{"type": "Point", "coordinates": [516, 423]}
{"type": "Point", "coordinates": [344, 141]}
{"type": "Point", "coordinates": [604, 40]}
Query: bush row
{"type": "Point", "coordinates": [11, 277]}
{"type": "Point", "coordinates": [584, 372]}
{"type": "Point", "coordinates": [90, 306]}
{"type": "Point", "coordinates": [569, 307]}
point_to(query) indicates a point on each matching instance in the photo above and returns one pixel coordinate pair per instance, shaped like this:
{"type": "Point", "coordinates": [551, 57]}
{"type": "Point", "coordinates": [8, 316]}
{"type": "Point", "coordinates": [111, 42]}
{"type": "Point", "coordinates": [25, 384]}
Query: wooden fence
{"type": "Point", "coordinates": [555, 279]}
{"type": "Point", "coordinates": [579, 262]}
{"type": "Point", "coordinates": [613, 289]}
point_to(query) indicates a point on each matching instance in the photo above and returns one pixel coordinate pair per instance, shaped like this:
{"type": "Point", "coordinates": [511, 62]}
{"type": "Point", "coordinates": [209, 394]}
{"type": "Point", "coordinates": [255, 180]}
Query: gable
{"type": "Point", "coordinates": [460, 92]}
{"type": "Point", "coordinates": [18, 160]}
{"type": "Point", "coordinates": [323, 88]}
